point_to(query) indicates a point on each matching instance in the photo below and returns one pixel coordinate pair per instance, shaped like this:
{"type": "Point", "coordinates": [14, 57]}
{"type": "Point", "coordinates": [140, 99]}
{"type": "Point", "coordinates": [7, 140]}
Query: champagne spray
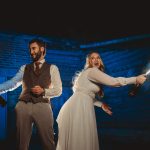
{"type": "Point", "coordinates": [136, 87]}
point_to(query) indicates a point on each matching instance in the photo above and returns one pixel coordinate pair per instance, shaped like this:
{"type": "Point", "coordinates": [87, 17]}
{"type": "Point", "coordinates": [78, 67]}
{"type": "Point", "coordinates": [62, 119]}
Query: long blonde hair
{"type": "Point", "coordinates": [89, 65]}
{"type": "Point", "coordinates": [101, 67]}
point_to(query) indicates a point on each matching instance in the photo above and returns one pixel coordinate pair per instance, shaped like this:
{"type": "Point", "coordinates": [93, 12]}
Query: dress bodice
{"type": "Point", "coordinates": [84, 85]}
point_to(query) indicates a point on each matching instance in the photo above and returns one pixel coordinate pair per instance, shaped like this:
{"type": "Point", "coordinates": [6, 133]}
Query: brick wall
{"type": "Point", "coordinates": [124, 59]}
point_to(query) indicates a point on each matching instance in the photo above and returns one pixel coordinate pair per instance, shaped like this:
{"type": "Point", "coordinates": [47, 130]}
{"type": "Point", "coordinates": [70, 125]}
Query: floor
{"type": "Point", "coordinates": [105, 144]}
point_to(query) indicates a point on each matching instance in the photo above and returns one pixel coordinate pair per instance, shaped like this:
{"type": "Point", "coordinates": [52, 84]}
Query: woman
{"type": "Point", "coordinates": [76, 119]}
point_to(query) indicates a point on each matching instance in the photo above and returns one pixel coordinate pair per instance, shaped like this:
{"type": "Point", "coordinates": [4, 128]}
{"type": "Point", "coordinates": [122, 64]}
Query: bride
{"type": "Point", "coordinates": [76, 119]}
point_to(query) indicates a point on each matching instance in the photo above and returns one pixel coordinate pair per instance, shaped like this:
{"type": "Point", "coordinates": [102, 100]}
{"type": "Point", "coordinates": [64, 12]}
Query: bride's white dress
{"type": "Point", "coordinates": [76, 119]}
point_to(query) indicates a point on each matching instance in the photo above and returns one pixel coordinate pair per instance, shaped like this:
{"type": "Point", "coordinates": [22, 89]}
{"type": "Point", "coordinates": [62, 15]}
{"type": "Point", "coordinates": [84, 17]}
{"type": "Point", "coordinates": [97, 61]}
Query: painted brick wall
{"type": "Point", "coordinates": [130, 115]}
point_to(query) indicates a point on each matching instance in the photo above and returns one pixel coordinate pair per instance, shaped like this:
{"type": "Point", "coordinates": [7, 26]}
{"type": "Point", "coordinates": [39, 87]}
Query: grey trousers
{"type": "Point", "coordinates": [41, 115]}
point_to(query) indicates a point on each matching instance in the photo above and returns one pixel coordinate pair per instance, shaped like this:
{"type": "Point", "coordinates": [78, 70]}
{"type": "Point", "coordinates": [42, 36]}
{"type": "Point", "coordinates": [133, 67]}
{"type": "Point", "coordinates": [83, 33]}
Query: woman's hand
{"type": "Point", "coordinates": [106, 108]}
{"type": "Point", "coordinates": [140, 79]}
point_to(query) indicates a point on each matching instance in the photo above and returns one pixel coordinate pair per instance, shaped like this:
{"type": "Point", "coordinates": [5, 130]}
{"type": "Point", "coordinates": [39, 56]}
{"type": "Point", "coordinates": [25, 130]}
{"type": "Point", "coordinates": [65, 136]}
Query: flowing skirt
{"type": "Point", "coordinates": [77, 124]}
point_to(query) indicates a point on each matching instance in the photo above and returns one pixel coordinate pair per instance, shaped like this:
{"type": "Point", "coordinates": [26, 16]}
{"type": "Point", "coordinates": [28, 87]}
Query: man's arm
{"type": "Point", "coordinates": [56, 84]}
{"type": "Point", "coordinates": [14, 82]}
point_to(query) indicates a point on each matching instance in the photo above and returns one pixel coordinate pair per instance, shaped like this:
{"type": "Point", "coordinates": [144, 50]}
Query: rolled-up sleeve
{"type": "Point", "coordinates": [56, 84]}
{"type": "Point", "coordinates": [98, 76]}
{"type": "Point", "coordinates": [14, 82]}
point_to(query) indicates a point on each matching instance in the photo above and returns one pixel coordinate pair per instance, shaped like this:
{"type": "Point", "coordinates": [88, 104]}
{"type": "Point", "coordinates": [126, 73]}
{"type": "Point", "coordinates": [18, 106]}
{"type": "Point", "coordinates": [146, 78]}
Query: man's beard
{"type": "Point", "coordinates": [37, 56]}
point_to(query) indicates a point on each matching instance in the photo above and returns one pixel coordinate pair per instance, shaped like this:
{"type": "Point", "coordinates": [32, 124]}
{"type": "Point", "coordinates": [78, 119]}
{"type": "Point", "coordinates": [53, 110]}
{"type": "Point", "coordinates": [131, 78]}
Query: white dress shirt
{"type": "Point", "coordinates": [54, 90]}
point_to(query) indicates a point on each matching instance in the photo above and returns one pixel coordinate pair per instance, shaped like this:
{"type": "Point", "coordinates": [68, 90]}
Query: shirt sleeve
{"type": "Point", "coordinates": [97, 103]}
{"type": "Point", "coordinates": [56, 84]}
{"type": "Point", "coordinates": [98, 76]}
{"type": "Point", "coordinates": [14, 82]}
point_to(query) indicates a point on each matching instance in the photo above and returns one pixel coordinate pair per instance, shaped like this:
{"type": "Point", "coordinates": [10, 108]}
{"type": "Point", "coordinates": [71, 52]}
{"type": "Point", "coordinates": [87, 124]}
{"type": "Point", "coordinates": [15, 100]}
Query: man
{"type": "Point", "coordinates": [40, 82]}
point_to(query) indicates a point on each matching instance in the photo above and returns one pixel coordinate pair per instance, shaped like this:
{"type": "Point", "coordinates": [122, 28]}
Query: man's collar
{"type": "Point", "coordinates": [42, 61]}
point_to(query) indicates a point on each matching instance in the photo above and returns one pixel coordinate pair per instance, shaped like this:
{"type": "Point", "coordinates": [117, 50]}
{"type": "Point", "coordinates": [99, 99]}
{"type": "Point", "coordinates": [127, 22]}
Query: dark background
{"type": "Point", "coordinates": [85, 21]}
{"type": "Point", "coordinates": [71, 30]}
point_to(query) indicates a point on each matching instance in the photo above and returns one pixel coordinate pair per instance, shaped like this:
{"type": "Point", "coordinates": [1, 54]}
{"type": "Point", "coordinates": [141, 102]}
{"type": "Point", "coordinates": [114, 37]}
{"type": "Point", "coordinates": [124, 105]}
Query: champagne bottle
{"type": "Point", "coordinates": [134, 90]}
{"type": "Point", "coordinates": [136, 87]}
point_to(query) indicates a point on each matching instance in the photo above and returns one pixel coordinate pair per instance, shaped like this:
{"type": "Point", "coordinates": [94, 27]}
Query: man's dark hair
{"type": "Point", "coordinates": [40, 43]}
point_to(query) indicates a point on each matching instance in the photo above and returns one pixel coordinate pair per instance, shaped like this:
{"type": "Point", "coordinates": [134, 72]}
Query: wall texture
{"type": "Point", "coordinates": [128, 57]}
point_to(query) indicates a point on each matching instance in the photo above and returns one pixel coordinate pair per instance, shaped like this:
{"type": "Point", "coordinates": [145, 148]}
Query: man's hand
{"type": "Point", "coordinates": [37, 90]}
{"type": "Point", "coordinates": [106, 108]}
{"type": "Point", "coordinates": [2, 101]}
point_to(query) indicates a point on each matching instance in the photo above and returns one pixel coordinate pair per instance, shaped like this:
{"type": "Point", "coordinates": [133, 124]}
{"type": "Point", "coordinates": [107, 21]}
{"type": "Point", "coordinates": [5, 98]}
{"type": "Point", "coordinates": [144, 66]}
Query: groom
{"type": "Point", "coordinates": [40, 82]}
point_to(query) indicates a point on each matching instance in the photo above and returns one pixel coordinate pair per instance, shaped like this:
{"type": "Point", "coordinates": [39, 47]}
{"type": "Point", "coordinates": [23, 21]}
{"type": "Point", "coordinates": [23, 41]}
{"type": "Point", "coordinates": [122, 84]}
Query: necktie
{"type": "Point", "coordinates": [37, 68]}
